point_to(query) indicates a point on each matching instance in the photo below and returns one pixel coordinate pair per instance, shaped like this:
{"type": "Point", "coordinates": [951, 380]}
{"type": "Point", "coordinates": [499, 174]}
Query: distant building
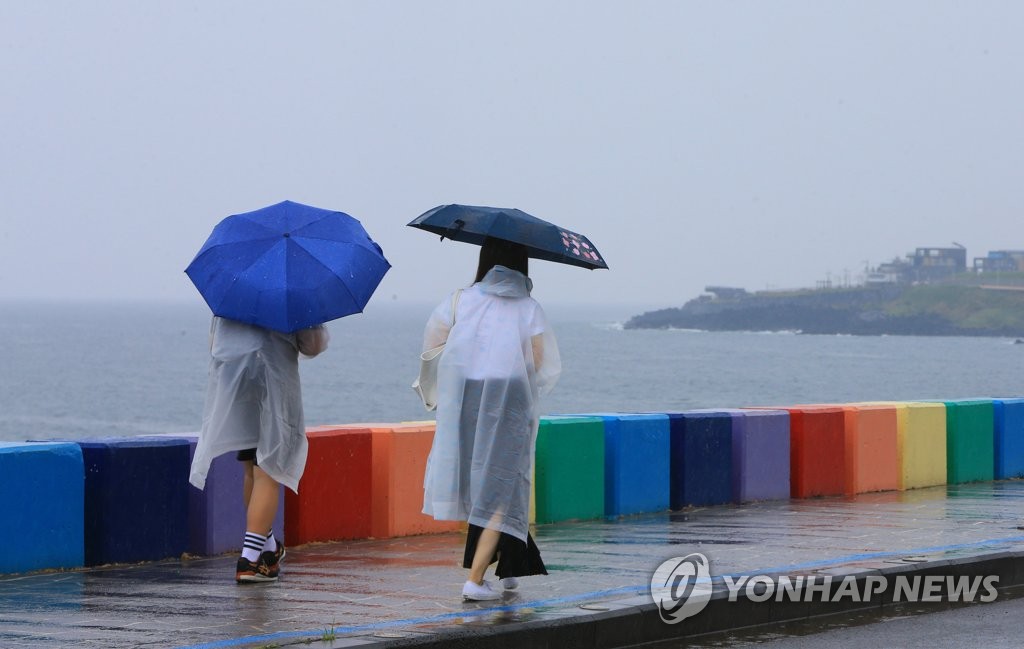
{"type": "Point", "coordinates": [896, 271]}
{"type": "Point", "coordinates": [924, 265]}
{"type": "Point", "coordinates": [1000, 260]}
{"type": "Point", "coordinates": [936, 264]}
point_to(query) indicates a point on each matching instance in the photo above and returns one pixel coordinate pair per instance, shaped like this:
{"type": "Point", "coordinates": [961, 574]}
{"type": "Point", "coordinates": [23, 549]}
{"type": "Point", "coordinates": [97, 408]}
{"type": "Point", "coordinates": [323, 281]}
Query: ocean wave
{"type": "Point", "coordinates": [774, 332]}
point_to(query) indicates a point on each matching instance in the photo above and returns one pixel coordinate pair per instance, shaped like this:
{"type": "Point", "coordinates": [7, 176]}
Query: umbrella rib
{"type": "Point", "coordinates": [328, 268]}
{"type": "Point", "coordinates": [237, 276]}
{"type": "Point", "coordinates": [217, 305]}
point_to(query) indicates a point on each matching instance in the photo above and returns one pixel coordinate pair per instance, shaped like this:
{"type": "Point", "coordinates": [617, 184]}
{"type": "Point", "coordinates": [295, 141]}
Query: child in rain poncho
{"type": "Point", "coordinates": [500, 357]}
{"type": "Point", "coordinates": [254, 406]}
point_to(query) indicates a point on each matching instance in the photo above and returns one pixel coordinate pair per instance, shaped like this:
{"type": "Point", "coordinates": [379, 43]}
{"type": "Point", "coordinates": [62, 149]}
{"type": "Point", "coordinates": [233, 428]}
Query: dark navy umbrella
{"type": "Point", "coordinates": [288, 267]}
{"type": "Point", "coordinates": [543, 240]}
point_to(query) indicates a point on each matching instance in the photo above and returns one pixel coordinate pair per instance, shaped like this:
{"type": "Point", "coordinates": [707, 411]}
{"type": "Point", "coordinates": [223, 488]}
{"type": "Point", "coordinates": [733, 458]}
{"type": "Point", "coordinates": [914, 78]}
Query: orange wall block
{"type": "Point", "coordinates": [871, 445]}
{"type": "Point", "coordinates": [399, 462]}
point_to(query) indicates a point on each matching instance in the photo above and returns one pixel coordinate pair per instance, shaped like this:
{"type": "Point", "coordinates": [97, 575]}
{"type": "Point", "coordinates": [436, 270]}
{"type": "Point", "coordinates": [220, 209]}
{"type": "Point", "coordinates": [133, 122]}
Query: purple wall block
{"type": "Point", "coordinates": [216, 516]}
{"type": "Point", "coordinates": [760, 455]}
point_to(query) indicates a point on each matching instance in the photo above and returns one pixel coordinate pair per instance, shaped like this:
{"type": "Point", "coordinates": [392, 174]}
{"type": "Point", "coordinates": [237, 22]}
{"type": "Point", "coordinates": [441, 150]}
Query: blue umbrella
{"type": "Point", "coordinates": [543, 240]}
{"type": "Point", "coordinates": [288, 267]}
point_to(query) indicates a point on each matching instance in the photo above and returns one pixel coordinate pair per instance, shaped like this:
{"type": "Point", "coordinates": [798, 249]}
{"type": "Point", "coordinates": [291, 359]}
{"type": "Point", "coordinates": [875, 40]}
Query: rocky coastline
{"type": "Point", "coordinates": [926, 310]}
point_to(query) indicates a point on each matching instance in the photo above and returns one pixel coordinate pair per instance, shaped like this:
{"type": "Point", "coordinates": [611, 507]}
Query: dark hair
{"type": "Point", "coordinates": [498, 252]}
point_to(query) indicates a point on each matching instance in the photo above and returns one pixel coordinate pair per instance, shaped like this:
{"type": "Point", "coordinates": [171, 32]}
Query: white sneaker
{"type": "Point", "coordinates": [473, 592]}
{"type": "Point", "coordinates": [509, 583]}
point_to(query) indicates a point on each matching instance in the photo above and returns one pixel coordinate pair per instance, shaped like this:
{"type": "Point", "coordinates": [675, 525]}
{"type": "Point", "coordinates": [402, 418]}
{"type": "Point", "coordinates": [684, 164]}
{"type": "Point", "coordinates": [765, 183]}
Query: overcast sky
{"type": "Point", "coordinates": [755, 144]}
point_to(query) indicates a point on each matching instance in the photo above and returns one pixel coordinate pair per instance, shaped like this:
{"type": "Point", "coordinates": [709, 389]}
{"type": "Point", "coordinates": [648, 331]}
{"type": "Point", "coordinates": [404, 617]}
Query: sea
{"type": "Point", "coordinates": [82, 370]}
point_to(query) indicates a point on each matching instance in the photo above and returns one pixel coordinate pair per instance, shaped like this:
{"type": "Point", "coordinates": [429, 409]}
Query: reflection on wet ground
{"type": "Point", "coordinates": [397, 587]}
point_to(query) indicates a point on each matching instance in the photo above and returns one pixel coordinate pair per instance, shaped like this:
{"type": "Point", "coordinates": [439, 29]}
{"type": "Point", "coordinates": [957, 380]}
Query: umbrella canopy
{"type": "Point", "coordinates": [288, 267]}
{"type": "Point", "coordinates": [543, 240]}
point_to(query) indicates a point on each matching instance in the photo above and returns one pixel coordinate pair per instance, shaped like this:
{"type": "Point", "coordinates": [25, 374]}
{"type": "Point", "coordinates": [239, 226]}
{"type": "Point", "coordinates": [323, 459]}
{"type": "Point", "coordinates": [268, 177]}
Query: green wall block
{"type": "Point", "coordinates": [569, 469]}
{"type": "Point", "coordinates": [970, 444]}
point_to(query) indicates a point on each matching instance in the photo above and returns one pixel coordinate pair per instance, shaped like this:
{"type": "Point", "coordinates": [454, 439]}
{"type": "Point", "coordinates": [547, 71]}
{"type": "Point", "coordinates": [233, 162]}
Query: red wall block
{"type": "Point", "coordinates": [333, 502]}
{"type": "Point", "coordinates": [817, 450]}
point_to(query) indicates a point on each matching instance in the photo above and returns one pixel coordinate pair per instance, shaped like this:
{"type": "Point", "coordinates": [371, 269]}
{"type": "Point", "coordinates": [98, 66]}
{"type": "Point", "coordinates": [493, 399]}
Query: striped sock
{"type": "Point", "coordinates": [271, 544]}
{"type": "Point", "coordinates": [252, 545]}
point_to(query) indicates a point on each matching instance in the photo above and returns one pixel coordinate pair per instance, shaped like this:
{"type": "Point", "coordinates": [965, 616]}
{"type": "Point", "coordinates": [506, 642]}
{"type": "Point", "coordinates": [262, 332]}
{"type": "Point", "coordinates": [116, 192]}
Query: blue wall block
{"type": "Point", "coordinates": [43, 512]}
{"type": "Point", "coordinates": [1009, 438]}
{"type": "Point", "coordinates": [636, 463]}
{"type": "Point", "coordinates": [136, 499]}
{"type": "Point", "coordinates": [216, 514]}
{"type": "Point", "coordinates": [701, 458]}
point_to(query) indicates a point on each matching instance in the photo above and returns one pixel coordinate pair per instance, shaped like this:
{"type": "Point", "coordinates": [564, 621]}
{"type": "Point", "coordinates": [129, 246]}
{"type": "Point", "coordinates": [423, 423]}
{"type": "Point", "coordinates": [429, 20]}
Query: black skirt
{"type": "Point", "coordinates": [515, 558]}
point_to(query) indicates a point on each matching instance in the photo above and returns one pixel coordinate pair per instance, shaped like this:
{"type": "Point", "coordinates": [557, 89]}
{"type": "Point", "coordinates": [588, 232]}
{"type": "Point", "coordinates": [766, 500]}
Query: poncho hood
{"type": "Point", "coordinates": [505, 282]}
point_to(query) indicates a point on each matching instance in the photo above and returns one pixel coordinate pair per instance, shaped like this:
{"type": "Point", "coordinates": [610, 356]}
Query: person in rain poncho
{"type": "Point", "coordinates": [254, 407]}
{"type": "Point", "coordinates": [499, 358]}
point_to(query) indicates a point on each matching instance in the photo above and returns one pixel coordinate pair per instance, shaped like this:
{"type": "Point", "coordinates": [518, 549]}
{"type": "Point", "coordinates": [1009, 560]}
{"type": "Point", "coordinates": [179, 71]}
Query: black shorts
{"type": "Point", "coordinates": [248, 455]}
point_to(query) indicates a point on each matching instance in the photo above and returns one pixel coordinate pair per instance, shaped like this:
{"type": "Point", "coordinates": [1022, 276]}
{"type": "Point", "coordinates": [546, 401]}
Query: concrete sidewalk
{"type": "Point", "coordinates": [406, 591]}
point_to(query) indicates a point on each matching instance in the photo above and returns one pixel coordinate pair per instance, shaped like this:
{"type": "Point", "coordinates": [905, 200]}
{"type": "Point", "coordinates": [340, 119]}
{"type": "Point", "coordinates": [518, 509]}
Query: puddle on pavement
{"type": "Point", "coordinates": [768, 633]}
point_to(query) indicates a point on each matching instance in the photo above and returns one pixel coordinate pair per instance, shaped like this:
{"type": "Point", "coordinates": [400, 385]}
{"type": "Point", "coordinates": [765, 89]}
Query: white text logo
{"type": "Point", "coordinates": [817, 588]}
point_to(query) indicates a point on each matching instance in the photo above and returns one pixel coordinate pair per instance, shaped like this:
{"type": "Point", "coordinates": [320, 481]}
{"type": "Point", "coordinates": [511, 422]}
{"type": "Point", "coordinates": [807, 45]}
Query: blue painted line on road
{"type": "Point", "coordinates": [600, 594]}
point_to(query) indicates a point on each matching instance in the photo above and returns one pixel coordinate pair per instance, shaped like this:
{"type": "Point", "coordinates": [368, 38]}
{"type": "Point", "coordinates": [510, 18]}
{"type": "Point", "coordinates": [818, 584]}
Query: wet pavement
{"type": "Point", "coordinates": [407, 590]}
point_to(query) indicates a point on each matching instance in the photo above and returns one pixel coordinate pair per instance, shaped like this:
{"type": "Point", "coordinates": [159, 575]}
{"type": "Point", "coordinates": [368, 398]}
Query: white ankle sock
{"type": "Point", "coordinates": [252, 545]}
{"type": "Point", "coordinates": [271, 544]}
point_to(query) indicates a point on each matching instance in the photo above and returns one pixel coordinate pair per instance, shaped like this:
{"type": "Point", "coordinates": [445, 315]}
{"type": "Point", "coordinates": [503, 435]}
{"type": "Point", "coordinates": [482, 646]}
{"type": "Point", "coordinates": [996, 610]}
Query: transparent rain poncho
{"type": "Point", "coordinates": [254, 398]}
{"type": "Point", "coordinates": [489, 383]}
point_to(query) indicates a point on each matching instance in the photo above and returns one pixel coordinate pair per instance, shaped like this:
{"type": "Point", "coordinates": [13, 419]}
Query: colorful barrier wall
{"type": "Point", "coordinates": [127, 499]}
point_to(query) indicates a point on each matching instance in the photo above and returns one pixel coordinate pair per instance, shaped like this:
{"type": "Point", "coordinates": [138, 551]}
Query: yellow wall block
{"type": "Point", "coordinates": [921, 436]}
